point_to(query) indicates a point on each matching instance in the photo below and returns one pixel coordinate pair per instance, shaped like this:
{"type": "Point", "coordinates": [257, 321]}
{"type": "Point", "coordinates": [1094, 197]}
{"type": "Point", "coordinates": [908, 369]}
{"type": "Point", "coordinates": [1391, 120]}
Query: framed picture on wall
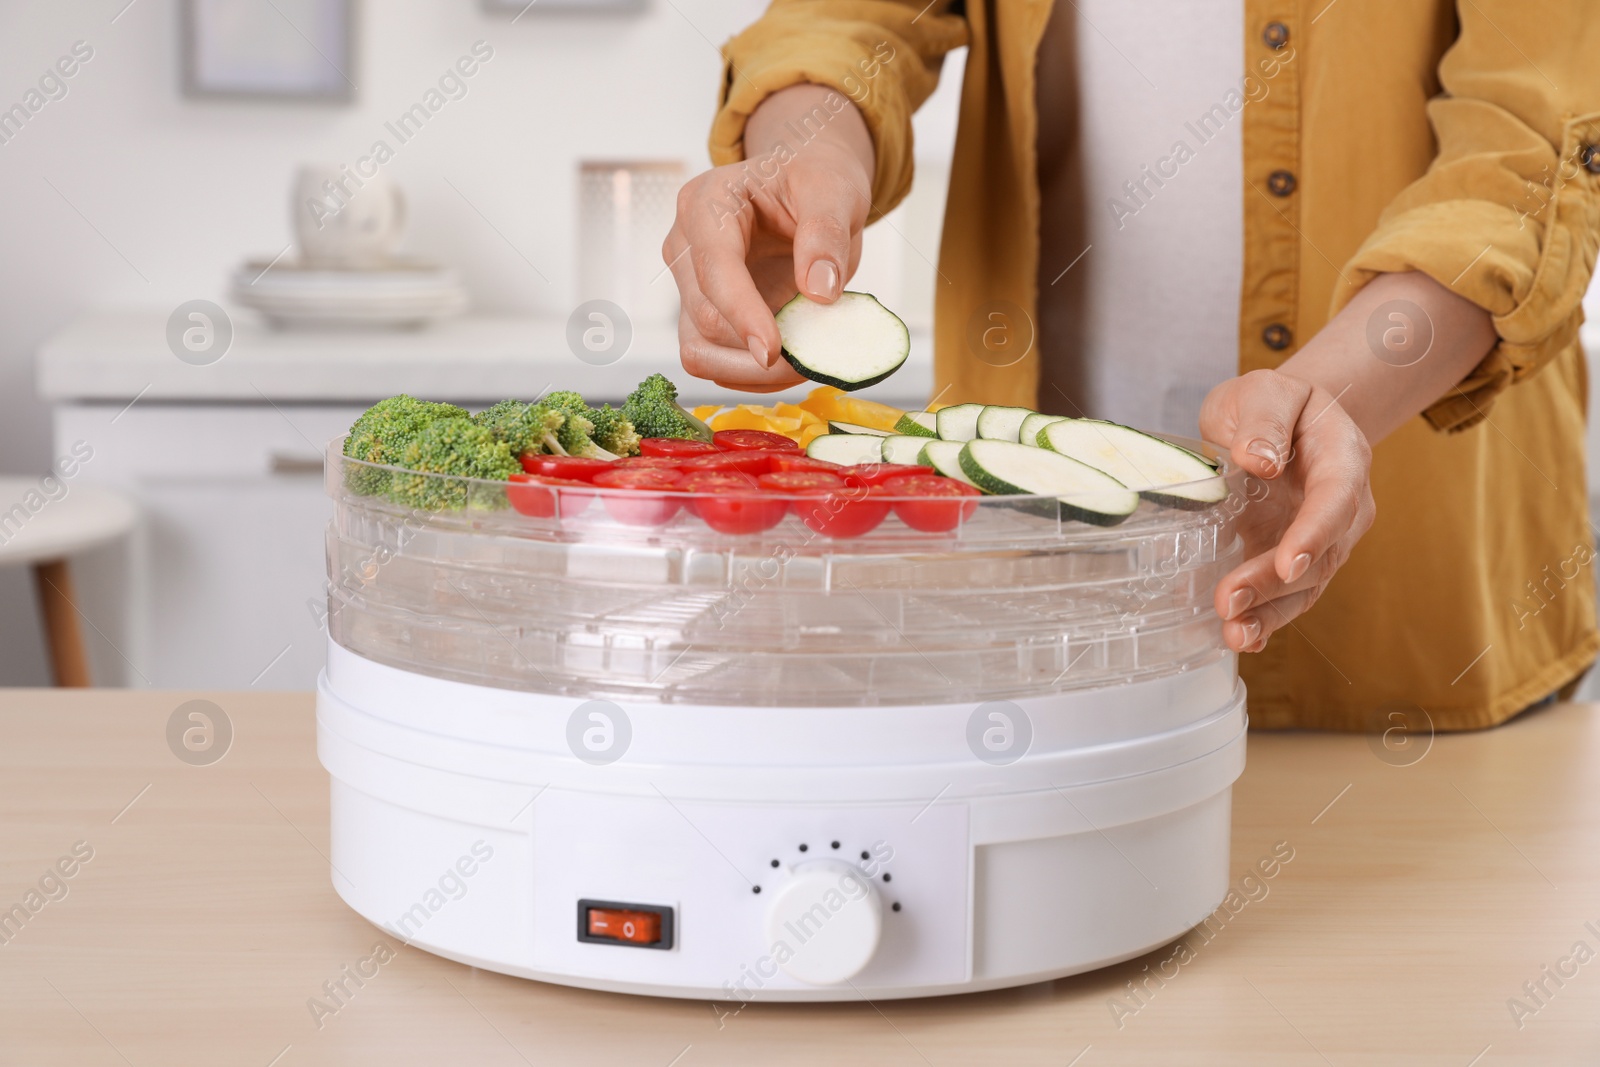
{"type": "Point", "coordinates": [269, 49]}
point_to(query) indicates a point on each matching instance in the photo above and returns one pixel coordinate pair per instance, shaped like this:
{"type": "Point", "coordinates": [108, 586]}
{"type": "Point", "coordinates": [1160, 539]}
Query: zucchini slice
{"type": "Point", "coordinates": [958, 422]}
{"type": "Point", "coordinates": [1029, 434]}
{"type": "Point", "coordinates": [944, 457]}
{"type": "Point", "coordinates": [847, 449]}
{"type": "Point", "coordinates": [1159, 470]}
{"type": "Point", "coordinates": [855, 427]}
{"type": "Point", "coordinates": [850, 344]}
{"type": "Point", "coordinates": [999, 423]}
{"type": "Point", "coordinates": [1083, 492]}
{"type": "Point", "coordinates": [904, 448]}
{"type": "Point", "coordinates": [918, 424]}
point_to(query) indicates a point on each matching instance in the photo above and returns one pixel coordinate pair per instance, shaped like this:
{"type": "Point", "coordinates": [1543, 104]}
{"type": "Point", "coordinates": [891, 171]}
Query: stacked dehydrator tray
{"type": "Point", "coordinates": [779, 766]}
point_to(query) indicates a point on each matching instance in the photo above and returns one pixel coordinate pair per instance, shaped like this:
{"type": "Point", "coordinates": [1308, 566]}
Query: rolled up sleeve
{"type": "Point", "coordinates": [882, 55]}
{"type": "Point", "coordinates": [1508, 214]}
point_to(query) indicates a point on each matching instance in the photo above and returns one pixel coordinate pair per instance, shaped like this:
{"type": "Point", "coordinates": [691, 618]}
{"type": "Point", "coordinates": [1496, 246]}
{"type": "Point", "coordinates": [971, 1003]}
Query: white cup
{"type": "Point", "coordinates": [344, 220]}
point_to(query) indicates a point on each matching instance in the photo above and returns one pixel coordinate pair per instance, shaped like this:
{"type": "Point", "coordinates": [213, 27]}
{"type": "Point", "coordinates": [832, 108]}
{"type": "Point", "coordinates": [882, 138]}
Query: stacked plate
{"type": "Point", "coordinates": [398, 293]}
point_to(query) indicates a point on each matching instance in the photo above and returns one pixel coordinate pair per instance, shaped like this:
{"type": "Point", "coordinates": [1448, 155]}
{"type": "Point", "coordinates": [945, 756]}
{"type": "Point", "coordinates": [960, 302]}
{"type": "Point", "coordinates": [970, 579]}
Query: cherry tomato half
{"type": "Point", "coordinates": [666, 463]}
{"type": "Point", "coordinates": [878, 473]}
{"type": "Point", "coordinates": [673, 447]}
{"type": "Point", "coordinates": [579, 468]}
{"type": "Point", "coordinates": [752, 463]}
{"type": "Point", "coordinates": [799, 461]}
{"type": "Point", "coordinates": [956, 501]}
{"type": "Point", "coordinates": [748, 440]}
{"type": "Point", "coordinates": [848, 512]}
{"type": "Point", "coordinates": [802, 483]}
{"type": "Point", "coordinates": [638, 506]}
{"type": "Point", "coordinates": [732, 503]}
{"type": "Point", "coordinates": [545, 498]}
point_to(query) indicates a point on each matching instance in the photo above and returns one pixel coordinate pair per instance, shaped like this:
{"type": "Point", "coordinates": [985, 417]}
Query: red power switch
{"type": "Point", "coordinates": [634, 927]}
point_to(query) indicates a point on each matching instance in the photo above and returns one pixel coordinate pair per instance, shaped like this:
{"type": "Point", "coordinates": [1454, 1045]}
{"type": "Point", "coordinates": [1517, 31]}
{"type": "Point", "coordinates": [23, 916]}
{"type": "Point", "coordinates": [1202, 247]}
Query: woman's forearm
{"type": "Point", "coordinates": [1401, 344]}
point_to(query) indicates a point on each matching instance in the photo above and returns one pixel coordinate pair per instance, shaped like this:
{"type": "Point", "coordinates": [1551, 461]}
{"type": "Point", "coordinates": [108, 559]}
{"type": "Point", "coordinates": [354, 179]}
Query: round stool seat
{"type": "Point", "coordinates": [41, 530]}
{"type": "Point", "coordinates": [34, 527]}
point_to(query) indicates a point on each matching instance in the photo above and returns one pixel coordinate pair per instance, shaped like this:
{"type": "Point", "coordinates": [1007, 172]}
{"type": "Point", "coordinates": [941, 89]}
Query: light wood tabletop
{"type": "Point", "coordinates": [1441, 907]}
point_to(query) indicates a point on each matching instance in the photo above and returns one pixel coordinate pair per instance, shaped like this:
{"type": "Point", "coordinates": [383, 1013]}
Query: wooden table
{"type": "Point", "coordinates": [1420, 898]}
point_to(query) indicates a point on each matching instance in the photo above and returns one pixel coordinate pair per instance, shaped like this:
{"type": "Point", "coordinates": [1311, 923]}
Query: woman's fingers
{"type": "Point", "coordinates": [728, 366]}
{"type": "Point", "coordinates": [1259, 418]}
{"type": "Point", "coordinates": [1256, 581]}
{"type": "Point", "coordinates": [1337, 498]}
{"type": "Point", "coordinates": [1249, 632]}
{"type": "Point", "coordinates": [708, 345]}
{"type": "Point", "coordinates": [717, 233]}
{"type": "Point", "coordinates": [829, 214]}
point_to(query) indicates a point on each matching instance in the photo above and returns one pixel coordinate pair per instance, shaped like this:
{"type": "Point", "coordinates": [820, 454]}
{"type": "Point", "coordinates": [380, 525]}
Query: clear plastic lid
{"type": "Point", "coordinates": [632, 594]}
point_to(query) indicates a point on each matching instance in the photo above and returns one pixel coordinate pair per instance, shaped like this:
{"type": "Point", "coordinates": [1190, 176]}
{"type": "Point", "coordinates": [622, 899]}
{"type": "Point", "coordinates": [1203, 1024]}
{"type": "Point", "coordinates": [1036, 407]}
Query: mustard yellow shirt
{"type": "Point", "coordinates": [1456, 139]}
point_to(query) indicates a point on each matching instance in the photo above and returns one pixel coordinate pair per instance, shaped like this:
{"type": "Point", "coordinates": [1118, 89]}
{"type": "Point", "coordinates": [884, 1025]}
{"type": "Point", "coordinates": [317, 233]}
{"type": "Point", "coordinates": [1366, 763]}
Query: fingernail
{"type": "Point", "coordinates": [1298, 565]}
{"type": "Point", "coordinates": [822, 279]}
{"type": "Point", "coordinates": [1267, 452]}
{"type": "Point", "coordinates": [1252, 630]}
{"type": "Point", "coordinates": [758, 349]}
{"type": "Point", "coordinates": [1240, 600]}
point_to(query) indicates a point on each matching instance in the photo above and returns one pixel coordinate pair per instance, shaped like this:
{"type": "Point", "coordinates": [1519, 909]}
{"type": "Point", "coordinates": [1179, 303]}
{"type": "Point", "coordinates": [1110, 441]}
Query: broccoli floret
{"type": "Point", "coordinates": [613, 432]}
{"type": "Point", "coordinates": [462, 449]}
{"type": "Point", "coordinates": [655, 412]}
{"type": "Point", "coordinates": [381, 434]}
{"type": "Point", "coordinates": [566, 400]}
{"type": "Point", "coordinates": [526, 428]}
{"type": "Point", "coordinates": [577, 432]}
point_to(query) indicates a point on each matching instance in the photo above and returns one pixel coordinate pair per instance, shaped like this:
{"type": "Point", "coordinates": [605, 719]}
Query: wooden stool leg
{"type": "Point", "coordinates": [69, 662]}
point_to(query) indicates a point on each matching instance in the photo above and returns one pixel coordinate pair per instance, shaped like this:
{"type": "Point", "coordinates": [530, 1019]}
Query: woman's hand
{"type": "Point", "coordinates": [1306, 431]}
{"type": "Point", "coordinates": [748, 236]}
{"type": "Point", "coordinates": [1312, 503]}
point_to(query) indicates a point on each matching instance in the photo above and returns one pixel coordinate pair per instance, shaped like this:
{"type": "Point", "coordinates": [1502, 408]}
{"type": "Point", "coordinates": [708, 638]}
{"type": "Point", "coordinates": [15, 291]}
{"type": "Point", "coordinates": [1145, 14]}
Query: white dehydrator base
{"type": "Point", "coordinates": [464, 824]}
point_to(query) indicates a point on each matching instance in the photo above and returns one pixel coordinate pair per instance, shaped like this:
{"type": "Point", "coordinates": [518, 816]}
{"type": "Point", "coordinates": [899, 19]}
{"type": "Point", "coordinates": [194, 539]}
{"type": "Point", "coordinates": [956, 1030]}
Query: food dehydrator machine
{"type": "Point", "coordinates": [654, 758]}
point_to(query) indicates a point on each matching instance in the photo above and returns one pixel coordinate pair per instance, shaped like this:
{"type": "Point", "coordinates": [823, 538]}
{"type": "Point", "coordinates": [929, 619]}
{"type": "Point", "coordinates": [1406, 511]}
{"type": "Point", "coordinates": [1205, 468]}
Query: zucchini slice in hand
{"type": "Point", "coordinates": [1159, 470]}
{"type": "Point", "coordinates": [1083, 492]}
{"type": "Point", "coordinates": [850, 344]}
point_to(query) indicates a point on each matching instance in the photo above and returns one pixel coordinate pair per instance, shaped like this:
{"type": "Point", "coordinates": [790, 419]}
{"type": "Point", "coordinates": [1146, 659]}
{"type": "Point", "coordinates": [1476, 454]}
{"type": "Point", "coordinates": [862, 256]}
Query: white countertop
{"type": "Point", "coordinates": [119, 355]}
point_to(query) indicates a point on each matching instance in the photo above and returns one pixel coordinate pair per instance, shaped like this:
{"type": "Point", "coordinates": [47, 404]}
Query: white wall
{"type": "Point", "coordinates": [167, 195]}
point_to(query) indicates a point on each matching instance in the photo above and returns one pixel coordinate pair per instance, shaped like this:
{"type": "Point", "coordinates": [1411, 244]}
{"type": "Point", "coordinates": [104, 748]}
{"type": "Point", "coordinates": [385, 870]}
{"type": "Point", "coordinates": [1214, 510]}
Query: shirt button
{"type": "Point", "coordinates": [1276, 34]}
{"type": "Point", "coordinates": [1281, 182]}
{"type": "Point", "coordinates": [1590, 158]}
{"type": "Point", "coordinates": [1277, 337]}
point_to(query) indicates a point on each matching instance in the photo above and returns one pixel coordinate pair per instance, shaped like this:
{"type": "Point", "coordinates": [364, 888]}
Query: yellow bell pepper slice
{"type": "Point", "coordinates": [811, 433]}
{"type": "Point", "coordinates": [832, 404]}
{"type": "Point", "coordinates": [823, 402]}
{"type": "Point", "coordinates": [743, 417]}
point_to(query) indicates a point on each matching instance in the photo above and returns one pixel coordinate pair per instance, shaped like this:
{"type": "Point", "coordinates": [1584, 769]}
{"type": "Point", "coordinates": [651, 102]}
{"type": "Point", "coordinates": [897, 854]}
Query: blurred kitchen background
{"type": "Point", "coordinates": [159, 172]}
{"type": "Point", "coordinates": [158, 320]}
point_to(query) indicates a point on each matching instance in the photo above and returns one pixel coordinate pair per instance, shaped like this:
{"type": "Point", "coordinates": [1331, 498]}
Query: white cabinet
{"type": "Point", "coordinates": [224, 581]}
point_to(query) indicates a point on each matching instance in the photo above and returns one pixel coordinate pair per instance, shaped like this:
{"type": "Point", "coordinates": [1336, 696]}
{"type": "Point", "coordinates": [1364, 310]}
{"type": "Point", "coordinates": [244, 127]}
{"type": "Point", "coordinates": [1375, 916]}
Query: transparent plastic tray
{"type": "Point", "coordinates": [1016, 600]}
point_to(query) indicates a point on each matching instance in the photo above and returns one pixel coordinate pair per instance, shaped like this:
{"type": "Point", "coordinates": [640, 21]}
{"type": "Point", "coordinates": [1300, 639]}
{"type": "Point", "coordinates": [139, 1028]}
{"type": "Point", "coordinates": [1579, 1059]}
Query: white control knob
{"type": "Point", "coordinates": [824, 922]}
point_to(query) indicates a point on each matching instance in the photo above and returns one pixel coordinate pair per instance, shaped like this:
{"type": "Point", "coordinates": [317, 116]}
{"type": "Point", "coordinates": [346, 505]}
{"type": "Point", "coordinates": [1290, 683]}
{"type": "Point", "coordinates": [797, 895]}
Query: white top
{"type": "Point", "coordinates": [115, 356]}
{"type": "Point", "coordinates": [1141, 109]}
